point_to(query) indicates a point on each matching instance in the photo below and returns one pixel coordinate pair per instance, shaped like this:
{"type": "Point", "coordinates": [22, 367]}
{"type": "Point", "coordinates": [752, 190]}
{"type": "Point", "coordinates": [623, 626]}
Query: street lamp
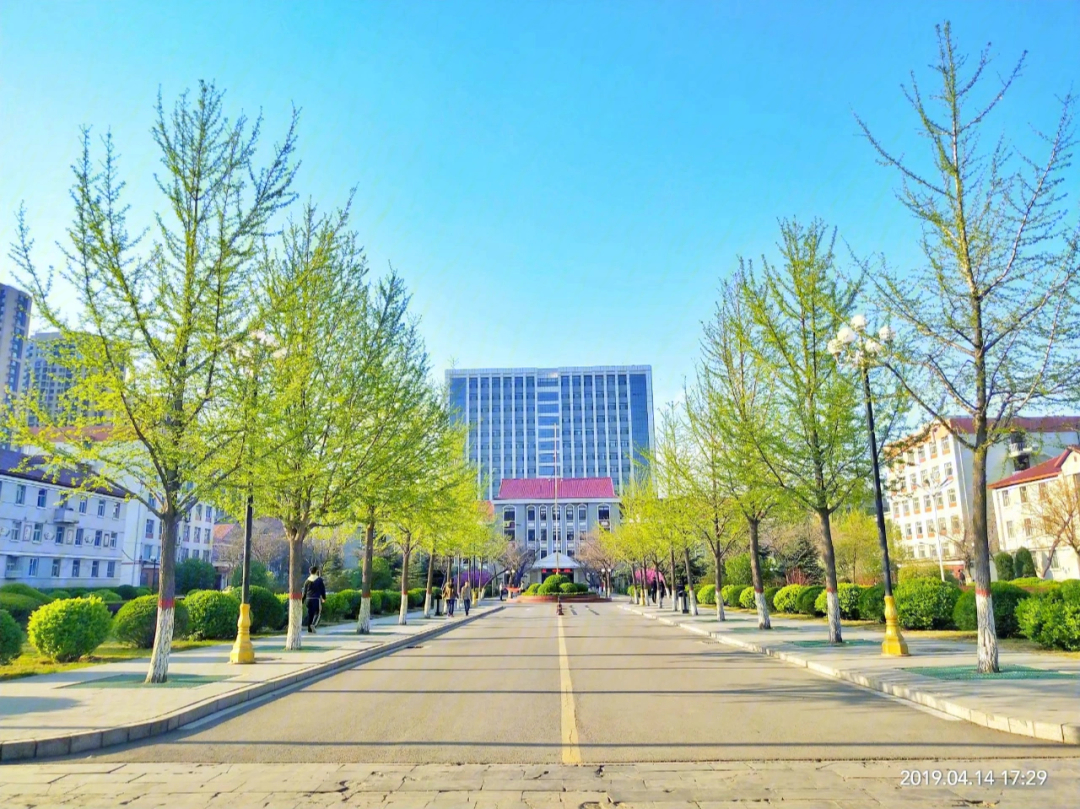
{"type": "Point", "coordinates": [854, 347]}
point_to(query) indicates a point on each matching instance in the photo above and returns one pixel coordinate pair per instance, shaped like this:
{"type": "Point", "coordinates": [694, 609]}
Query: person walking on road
{"type": "Point", "coordinates": [466, 597]}
{"type": "Point", "coordinates": [660, 594]}
{"type": "Point", "coordinates": [314, 595]}
{"type": "Point", "coordinates": [450, 596]}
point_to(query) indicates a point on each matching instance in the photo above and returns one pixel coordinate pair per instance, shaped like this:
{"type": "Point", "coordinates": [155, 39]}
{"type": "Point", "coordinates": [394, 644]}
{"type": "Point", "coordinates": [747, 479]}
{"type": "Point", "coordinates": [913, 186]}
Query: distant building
{"type": "Point", "coordinates": [14, 325]}
{"type": "Point", "coordinates": [929, 481]}
{"type": "Point", "coordinates": [49, 381]}
{"type": "Point", "coordinates": [1039, 509]}
{"type": "Point", "coordinates": [52, 536]}
{"type": "Point", "coordinates": [550, 518]}
{"type": "Point", "coordinates": [574, 422]}
{"type": "Point", "coordinates": [142, 548]}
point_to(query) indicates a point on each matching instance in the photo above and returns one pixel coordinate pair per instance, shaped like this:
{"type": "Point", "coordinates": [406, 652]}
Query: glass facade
{"type": "Point", "coordinates": [565, 422]}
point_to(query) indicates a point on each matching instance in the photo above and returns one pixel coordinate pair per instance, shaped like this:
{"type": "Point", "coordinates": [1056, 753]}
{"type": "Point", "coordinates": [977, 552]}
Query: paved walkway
{"type": "Point", "coordinates": [722, 785]}
{"type": "Point", "coordinates": [83, 709]}
{"type": "Point", "coordinates": [1039, 696]}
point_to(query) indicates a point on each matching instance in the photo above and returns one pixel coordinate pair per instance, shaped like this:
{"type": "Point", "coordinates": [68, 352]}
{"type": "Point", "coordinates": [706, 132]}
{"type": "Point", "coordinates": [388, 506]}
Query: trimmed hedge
{"type": "Point", "coordinates": [265, 608]}
{"type": "Point", "coordinates": [391, 601]}
{"type": "Point", "coordinates": [26, 590]}
{"type": "Point", "coordinates": [1005, 597]}
{"type": "Point", "coordinates": [11, 638]}
{"type": "Point", "coordinates": [1003, 564]}
{"type": "Point", "coordinates": [19, 606]}
{"type": "Point", "coordinates": [1023, 564]}
{"type": "Point", "coordinates": [872, 603]}
{"type": "Point", "coordinates": [552, 584]}
{"type": "Point", "coordinates": [787, 597]}
{"type": "Point", "coordinates": [136, 622]}
{"type": "Point", "coordinates": [56, 595]}
{"type": "Point", "coordinates": [377, 605]}
{"type": "Point", "coordinates": [69, 629]}
{"type": "Point", "coordinates": [213, 614]}
{"type": "Point", "coordinates": [926, 603]}
{"type": "Point", "coordinates": [730, 594]}
{"type": "Point", "coordinates": [568, 588]}
{"type": "Point", "coordinates": [351, 602]}
{"type": "Point", "coordinates": [746, 599]}
{"type": "Point", "coordinates": [807, 600]}
{"type": "Point", "coordinates": [533, 589]}
{"type": "Point", "coordinates": [108, 596]}
{"type": "Point", "coordinates": [1052, 619]}
{"type": "Point", "coordinates": [770, 594]}
{"type": "Point", "coordinates": [416, 597]}
{"type": "Point", "coordinates": [706, 594]}
{"type": "Point", "coordinates": [848, 595]}
{"type": "Point", "coordinates": [126, 592]}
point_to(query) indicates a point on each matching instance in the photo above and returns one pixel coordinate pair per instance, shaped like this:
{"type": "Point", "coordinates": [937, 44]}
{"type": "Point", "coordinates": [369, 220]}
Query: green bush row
{"type": "Point", "coordinates": [1052, 618]}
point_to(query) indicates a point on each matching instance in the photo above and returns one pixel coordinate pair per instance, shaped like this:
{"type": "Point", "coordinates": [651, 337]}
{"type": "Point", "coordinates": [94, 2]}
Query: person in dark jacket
{"type": "Point", "coordinates": [314, 595]}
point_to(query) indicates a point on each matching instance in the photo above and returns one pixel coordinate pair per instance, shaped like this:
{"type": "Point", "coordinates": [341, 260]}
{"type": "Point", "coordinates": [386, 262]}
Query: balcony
{"type": "Point", "coordinates": [65, 516]}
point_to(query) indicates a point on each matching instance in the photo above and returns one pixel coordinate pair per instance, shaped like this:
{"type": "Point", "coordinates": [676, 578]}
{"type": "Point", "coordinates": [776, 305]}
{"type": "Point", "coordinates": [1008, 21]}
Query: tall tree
{"type": "Point", "coordinates": [990, 313]}
{"type": "Point", "coordinates": [159, 314]}
{"type": "Point", "coordinates": [814, 449]}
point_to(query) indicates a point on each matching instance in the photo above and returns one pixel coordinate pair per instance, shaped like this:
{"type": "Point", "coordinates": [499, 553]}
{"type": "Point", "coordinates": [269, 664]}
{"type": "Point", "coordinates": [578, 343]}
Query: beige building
{"type": "Point", "coordinates": [929, 482]}
{"type": "Point", "coordinates": [1038, 509]}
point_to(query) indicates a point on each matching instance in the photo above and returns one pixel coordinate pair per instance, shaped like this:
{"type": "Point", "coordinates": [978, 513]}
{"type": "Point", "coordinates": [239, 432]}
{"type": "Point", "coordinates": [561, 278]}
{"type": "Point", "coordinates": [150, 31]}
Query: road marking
{"type": "Point", "coordinates": [571, 753]}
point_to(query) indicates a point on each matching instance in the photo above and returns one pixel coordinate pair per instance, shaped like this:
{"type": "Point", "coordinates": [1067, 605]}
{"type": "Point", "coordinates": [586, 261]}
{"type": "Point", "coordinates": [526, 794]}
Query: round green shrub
{"type": "Point", "coordinates": [786, 598]}
{"type": "Point", "coordinates": [706, 594]}
{"type": "Point", "coordinates": [806, 602]}
{"type": "Point", "coordinates": [416, 597]}
{"type": "Point", "coordinates": [568, 588]}
{"type": "Point", "coordinates": [213, 614]}
{"type": "Point", "coordinates": [283, 600]}
{"type": "Point", "coordinates": [926, 603]}
{"type": "Point", "coordinates": [265, 608]}
{"type": "Point", "coordinates": [11, 638]}
{"type": "Point", "coordinates": [872, 603]}
{"type": "Point", "coordinates": [746, 599]}
{"type": "Point", "coordinates": [1023, 564]}
{"type": "Point", "coordinates": [378, 605]}
{"type": "Point", "coordinates": [729, 593]}
{"type": "Point", "coordinates": [17, 588]}
{"type": "Point", "coordinates": [1005, 598]}
{"type": "Point", "coordinates": [1031, 581]}
{"type": "Point", "coordinates": [127, 592]}
{"type": "Point", "coordinates": [391, 602]}
{"type": "Point", "coordinates": [1006, 569]}
{"type": "Point", "coordinates": [1051, 621]}
{"type": "Point", "coordinates": [136, 622]}
{"type": "Point", "coordinates": [334, 608]}
{"type": "Point", "coordinates": [770, 595]}
{"type": "Point", "coordinates": [78, 592]}
{"type": "Point", "coordinates": [584, 588]}
{"type": "Point", "coordinates": [19, 606]}
{"type": "Point", "coordinates": [69, 629]}
{"type": "Point", "coordinates": [143, 591]}
{"type": "Point", "coordinates": [107, 596]}
{"type": "Point", "coordinates": [534, 588]}
{"type": "Point", "coordinates": [847, 594]}
{"type": "Point", "coordinates": [57, 595]}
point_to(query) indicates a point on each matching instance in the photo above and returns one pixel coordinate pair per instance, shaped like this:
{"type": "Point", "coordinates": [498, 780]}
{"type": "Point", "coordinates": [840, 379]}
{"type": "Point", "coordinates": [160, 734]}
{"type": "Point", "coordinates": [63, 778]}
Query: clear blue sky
{"type": "Point", "coordinates": [560, 183]}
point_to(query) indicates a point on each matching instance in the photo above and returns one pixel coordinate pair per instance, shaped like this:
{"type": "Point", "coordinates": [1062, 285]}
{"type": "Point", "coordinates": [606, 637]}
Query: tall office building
{"type": "Point", "coordinates": [14, 326]}
{"type": "Point", "coordinates": [49, 380]}
{"type": "Point", "coordinates": [547, 422]}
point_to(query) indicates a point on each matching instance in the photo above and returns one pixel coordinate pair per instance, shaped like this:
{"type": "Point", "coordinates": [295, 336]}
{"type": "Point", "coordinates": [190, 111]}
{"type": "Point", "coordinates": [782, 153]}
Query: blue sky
{"type": "Point", "coordinates": [560, 183]}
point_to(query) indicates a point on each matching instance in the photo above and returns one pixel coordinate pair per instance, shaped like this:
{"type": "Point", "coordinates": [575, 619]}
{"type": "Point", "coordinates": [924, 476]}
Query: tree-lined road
{"type": "Point", "coordinates": [613, 688]}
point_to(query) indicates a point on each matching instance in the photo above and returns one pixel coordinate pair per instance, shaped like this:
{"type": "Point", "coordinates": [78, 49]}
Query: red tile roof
{"type": "Point", "coordinates": [568, 489]}
{"type": "Point", "coordinates": [1042, 471]}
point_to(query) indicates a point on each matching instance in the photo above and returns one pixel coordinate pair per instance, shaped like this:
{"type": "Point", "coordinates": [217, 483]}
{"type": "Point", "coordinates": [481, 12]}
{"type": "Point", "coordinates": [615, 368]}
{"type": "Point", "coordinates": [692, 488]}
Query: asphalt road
{"type": "Point", "coordinates": [597, 686]}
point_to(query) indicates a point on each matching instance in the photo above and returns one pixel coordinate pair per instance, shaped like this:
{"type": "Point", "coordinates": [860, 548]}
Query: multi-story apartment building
{"type": "Point", "coordinates": [1039, 509]}
{"type": "Point", "coordinates": [550, 518]}
{"type": "Point", "coordinates": [575, 422]}
{"type": "Point", "coordinates": [142, 550]}
{"type": "Point", "coordinates": [49, 380]}
{"type": "Point", "coordinates": [53, 536]}
{"type": "Point", "coordinates": [14, 326]}
{"type": "Point", "coordinates": [929, 481]}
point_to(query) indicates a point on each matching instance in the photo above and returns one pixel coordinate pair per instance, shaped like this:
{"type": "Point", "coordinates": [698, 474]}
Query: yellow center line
{"type": "Point", "coordinates": [571, 753]}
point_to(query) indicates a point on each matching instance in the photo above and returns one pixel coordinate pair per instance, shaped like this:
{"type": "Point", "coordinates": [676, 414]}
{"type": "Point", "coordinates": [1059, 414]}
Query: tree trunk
{"type": "Point", "coordinates": [427, 590]}
{"type": "Point", "coordinates": [363, 617]}
{"type": "Point", "coordinates": [403, 609]}
{"type": "Point", "coordinates": [830, 577]}
{"type": "Point", "coordinates": [691, 596]}
{"type": "Point", "coordinates": [296, 587]}
{"type": "Point", "coordinates": [159, 657]}
{"type": "Point", "coordinates": [674, 578]}
{"type": "Point", "coordinates": [479, 583]}
{"type": "Point", "coordinates": [755, 571]}
{"type": "Point", "coordinates": [984, 608]}
{"type": "Point", "coordinates": [719, 580]}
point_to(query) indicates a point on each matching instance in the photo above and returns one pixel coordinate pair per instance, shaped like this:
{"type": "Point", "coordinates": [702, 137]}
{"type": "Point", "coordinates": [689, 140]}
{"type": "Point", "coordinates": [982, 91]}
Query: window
{"type": "Point", "coordinates": [116, 510]}
{"type": "Point", "coordinates": [97, 538]}
{"type": "Point", "coordinates": [530, 513]}
{"type": "Point", "coordinates": [907, 531]}
{"type": "Point", "coordinates": [32, 566]}
{"type": "Point", "coordinates": [82, 505]}
{"type": "Point", "coordinates": [1004, 497]}
{"type": "Point", "coordinates": [930, 530]}
{"type": "Point", "coordinates": [581, 515]}
{"type": "Point", "coordinates": [187, 532]}
{"type": "Point", "coordinates": [922, 454]}
{"type": "Point", "coordinates": [101, 507]}
{"type": "Point", "coordinates": [933, 449]}
{"type": "Point", "coordinates": [543, 513]}
{"type": "Point", "coordinates": [926, 502]}
{"type": "Point", "coordinates": [531, 535]}
{"type": "Point", "coordinates": [37, 533]}
{"type": "Point", "coordinates": [94, 567]}
{"type": "Point", "coordinates": [76, 568]}
{"type": "Point", "coordinates": [149, 534]}
{"type": "Point", "coordinates": [1042, 491]}
{"type": "Point", "coordinates": [59, 537]}
{"type": "Point", "coordinates": [603, 513]}
{"type": "Point", "coordinates": [184, 554]}
{"type": "Point", "coordinates": [1029, 527]}
{"type": "Point", "coordinates": [1009, 529]}
{"type": "Point", "coordinates": [914, 480]}
{"type": "Point", "coordinates": [12, 564]}
{"type": "Point", "coordinates": [78, 536]}
{"type": "Point", "coordinates": [907, 508]}
{"type": "Point", "coordinates": [918, 529]}
{"type": "Point", "coordinates": [911, 457]}
{"type": "Point", "coordinates": [955, 526]}
{"type": "Point", "coordinates": [948, 469]}
{"type": "Point", "coordinates": [16, 530]}
{"type": "Point", "coordinates": [55, 568]}
{"type": "Point", "coordinates": [1023, 494]}
{"type": "Point", "coordinates": [941, 526]}
{"type": "Point", "coordinates": [206, 555]}
{"type": "Point", "coordinates": [198, 535]}
{"type": "Point", "coordinates": [198, 511]}
{"type": "Point", "coordinates": [569, 513]}
{"type": "Point", "coordinates": [945, 446]}
{"type": "Point", "coordinates": [952, 497]}
{"type": "Point", "coordinates": [110, 569]}
{"type": "Point", "coordinates": [112, 539]}
{"type": "Point", "coordinates": [20, 495]}
{"type": "Point", "coordinates": [42, 498]}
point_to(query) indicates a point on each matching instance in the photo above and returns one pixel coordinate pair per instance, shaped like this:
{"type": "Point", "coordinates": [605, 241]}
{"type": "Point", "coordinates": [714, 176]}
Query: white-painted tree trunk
{"type": "Point", "coordinates": [159, 658]}
{"type": "Point", "coordinates": [427, 604]}
{"type": "Point", "coordinates": [296, 620]}
{"type": "Point", "coordinates": [833, 602]}
{"type": "Point", "coordinates": [988, 646]}
{"type": "Point", "coordinates": [693, 600]}
{"type": "Point", "coordinates": [403, 610]}
{"type": "Point", "coordinates": [763, 621]}
{"type": "Point", "coordinates": [363, 617]}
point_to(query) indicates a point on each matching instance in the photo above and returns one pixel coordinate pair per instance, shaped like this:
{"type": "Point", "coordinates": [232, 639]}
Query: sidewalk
{"type": "Point", "coordinates": [1036, 695]}
{"type": "Point", "coordinates": [100, 706]}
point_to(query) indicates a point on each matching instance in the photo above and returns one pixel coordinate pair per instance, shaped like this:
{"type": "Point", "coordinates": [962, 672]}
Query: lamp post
{"type": "Point", "coordinates": [854, 347]}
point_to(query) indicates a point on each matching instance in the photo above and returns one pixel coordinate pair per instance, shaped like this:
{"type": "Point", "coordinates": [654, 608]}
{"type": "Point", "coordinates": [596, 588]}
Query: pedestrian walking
{"type": "Point", "coordinates": [660, 590]}
{"type": "Point", "coordinates": [652, 591]}
{"type": "Point", "coordinates": [314, 595]}
{"type": "Point", "coordinates": [450, 596]}
{"type": "Point", "coordinates": [466, 596]}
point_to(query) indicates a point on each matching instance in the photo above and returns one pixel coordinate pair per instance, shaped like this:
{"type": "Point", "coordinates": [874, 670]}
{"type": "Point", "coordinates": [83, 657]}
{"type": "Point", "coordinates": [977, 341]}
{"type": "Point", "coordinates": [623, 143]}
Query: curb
{"type": "Point", "coordinates": [1064, 733]}
{"type": "Point", "coordinates": [69, 743]}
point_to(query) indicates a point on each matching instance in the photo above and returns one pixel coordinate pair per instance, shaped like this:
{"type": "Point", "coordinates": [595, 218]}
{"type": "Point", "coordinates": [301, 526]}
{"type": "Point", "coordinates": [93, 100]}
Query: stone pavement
{"type": "Point", "coordinates": [1044, 703]}
{"type": "Point", "coordinates": [84, 709]}
{"type": "Point", "coordinates": [724, 785]}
